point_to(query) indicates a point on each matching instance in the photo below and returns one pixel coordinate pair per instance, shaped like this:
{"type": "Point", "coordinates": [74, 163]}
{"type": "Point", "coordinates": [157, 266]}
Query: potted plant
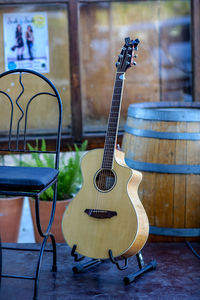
{"type": "Point", "coordinates": [10, 215]}
{"type": "Point", "coordinates": [69, 182]}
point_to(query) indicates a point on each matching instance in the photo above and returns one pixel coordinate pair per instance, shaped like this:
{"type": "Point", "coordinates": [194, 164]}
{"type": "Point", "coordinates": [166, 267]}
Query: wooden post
{"type": "Point", "coordinates": [195, 14]}
{"type": "Point", "coordinates": [75, 71]}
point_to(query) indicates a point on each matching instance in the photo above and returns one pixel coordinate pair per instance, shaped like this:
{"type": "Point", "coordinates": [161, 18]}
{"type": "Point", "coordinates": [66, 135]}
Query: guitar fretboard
{"type": "Point", "coordinates": [113, 122]}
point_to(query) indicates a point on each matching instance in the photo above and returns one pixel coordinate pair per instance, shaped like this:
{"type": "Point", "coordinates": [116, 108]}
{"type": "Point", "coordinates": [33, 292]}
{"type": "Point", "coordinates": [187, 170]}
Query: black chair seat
{"type": "Point", "coordinates": [26, 178]}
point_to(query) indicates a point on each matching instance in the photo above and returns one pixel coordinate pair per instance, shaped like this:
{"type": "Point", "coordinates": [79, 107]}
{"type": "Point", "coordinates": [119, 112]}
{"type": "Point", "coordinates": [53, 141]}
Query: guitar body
{"type": "Point", "coordinates": [97, 220]}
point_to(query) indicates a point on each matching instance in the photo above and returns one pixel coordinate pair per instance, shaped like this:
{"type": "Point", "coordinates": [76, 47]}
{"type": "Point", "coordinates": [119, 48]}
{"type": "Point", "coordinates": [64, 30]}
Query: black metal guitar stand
{"type": "Point", "coordinates": [81, 267]}
{"type": "Point", "coordinates": [142, 268]}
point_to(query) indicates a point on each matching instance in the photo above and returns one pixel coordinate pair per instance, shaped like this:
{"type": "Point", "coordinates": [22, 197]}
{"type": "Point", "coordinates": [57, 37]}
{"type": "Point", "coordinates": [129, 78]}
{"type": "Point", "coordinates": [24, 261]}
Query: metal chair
{"type": "Point", "coordinates": [21, 102]}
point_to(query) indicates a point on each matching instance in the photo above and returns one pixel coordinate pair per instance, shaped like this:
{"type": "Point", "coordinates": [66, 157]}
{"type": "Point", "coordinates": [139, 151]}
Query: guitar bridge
{"type": "Point", "coordinates": [100, 214]}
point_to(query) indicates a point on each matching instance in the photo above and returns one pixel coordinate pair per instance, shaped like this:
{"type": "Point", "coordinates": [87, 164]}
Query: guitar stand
{"type": "Point", "coordinates": [81, 267]}
{"type": "Point", "coordinates": [142, 268]}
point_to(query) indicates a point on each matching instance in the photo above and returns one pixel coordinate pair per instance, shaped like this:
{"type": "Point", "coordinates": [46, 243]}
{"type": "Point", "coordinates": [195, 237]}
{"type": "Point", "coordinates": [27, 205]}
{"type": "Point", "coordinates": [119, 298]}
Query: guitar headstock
{"type": "Point", "coordinates": [127, 55]}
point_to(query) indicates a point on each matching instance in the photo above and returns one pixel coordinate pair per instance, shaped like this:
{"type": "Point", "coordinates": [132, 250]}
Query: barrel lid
{"type": "Point", "coordinates": [166, 111]}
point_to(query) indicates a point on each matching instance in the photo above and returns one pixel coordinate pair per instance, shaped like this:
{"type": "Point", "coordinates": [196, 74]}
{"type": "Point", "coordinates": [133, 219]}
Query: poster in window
{"type": "Point", "coordinates": [26, 41]}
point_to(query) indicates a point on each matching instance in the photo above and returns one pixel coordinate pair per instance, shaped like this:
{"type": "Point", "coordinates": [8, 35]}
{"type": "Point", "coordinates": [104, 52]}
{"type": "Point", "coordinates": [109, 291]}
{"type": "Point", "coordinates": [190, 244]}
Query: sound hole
{"type": "Point", "coordinates": [105, 180]}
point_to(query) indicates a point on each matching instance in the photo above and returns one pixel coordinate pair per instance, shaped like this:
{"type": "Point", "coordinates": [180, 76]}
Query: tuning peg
{"type": "Point", "coordinates": [128, 63]}
{"type": "Point", "coordinates": [135, 43]}
{"type": "Point", "coordinates": [134, 63]}
{"type": "Point", "coordinates": [117, 64]}
{"type": "Point", "coordinates": [120, 55]}
{"type": "Point", "coordinates": [136, 48]}
{"type": "Point", "coordinates": [135, 55]}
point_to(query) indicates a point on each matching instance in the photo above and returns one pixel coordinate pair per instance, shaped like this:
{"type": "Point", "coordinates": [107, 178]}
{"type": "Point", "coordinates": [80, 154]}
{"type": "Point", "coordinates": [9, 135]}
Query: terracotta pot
{"type": "Point", "coordinates": [45, 211]}
{"type": "Point", "coordinates": [10, 217]}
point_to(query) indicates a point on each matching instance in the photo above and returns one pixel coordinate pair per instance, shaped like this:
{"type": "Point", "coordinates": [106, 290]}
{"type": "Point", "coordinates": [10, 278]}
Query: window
{"type": "Point", "coordinates": [84, 40]}
{"type": "Point", "coordinates": [163, 71]}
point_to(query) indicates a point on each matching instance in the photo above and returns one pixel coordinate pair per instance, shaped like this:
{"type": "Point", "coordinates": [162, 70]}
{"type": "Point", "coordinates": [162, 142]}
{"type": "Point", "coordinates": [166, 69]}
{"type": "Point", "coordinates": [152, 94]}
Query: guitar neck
{"type": "Point", "coordinates": [113, 122]}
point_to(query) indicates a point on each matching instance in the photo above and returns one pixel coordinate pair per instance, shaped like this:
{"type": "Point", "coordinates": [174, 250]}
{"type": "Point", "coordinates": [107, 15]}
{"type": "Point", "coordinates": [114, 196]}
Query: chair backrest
{"type": "Point", "coordinates": [30, 108]}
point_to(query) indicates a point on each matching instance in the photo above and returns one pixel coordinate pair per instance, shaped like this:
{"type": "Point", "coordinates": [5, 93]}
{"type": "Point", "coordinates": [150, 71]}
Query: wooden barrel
{"type": "Point", "coordinates": [162, 140]}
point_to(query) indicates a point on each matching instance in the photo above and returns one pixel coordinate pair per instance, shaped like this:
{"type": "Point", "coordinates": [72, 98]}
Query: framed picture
{"type": "Point", "coordinates": [26, 41]}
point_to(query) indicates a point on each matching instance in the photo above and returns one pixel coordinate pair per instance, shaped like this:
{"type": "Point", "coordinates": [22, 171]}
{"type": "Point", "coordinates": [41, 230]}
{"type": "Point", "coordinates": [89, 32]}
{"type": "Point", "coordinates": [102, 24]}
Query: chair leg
{"type": "Point", "coordinates": [37, 216]}
{"type": "Point", "coordinates": [53, 208]}
{"type": "Point", "coordinates": [37, 213]}
{"type": "Point", "coordinates": [39, 263]}
{"type": "Point", "coordinates": [54, 265]}
{"type": "Point", "coordinates": [45, 235]}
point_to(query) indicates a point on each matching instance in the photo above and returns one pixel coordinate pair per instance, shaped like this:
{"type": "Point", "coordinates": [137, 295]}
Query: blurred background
{"type": "Point", "coordinates": [84, 40]}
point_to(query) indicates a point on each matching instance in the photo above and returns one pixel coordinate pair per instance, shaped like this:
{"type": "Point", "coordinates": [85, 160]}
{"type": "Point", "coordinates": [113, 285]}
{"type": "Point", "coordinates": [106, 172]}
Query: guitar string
{"type": "Point", "coordinates": [110, 144]}
{"type": "Point", "coordinates": [102, 170]}
{"type": "Point", "coordinates": [109, 151]}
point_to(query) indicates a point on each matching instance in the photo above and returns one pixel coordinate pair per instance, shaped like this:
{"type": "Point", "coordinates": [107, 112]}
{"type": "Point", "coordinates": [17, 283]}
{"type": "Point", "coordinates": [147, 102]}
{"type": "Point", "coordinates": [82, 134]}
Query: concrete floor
{"type": "Point", "coordinates": [176, 277]}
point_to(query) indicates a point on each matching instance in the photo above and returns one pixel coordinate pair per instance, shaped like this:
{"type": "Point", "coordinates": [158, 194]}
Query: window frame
{"type": "Point", "coordinates": [77, 135]}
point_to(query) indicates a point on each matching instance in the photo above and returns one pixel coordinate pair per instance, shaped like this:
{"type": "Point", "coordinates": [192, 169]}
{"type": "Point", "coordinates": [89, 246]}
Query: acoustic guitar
{"type": "Point", "coordinates": [107, 214]}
